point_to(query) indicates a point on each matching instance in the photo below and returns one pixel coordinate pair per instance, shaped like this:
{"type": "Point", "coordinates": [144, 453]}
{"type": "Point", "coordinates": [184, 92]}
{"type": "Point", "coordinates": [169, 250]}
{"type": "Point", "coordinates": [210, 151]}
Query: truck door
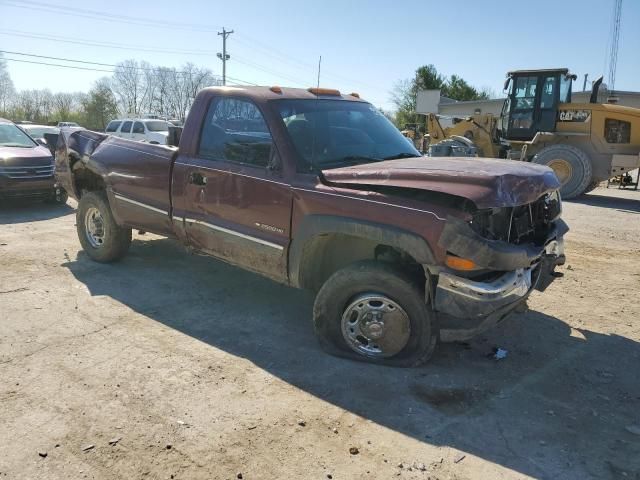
{"type": "Point", "coordinates": [236, 204]}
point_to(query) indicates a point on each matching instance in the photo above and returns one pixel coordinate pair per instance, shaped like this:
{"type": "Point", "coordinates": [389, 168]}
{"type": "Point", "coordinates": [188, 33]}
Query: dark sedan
{"type": "Point", "coordinates": [26, 167]}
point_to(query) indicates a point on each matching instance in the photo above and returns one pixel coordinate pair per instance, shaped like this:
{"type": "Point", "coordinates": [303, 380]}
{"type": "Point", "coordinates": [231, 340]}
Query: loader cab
{"type": "Point", "coordinates": [532, 101]}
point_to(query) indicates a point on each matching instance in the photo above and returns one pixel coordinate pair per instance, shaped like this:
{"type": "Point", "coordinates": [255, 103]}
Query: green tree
{"type": "Point", "coordinates": [428, 78]}
{"type": "Point", "coordinates": [100, 106]}
{"type": "Point", "coordinates": [458, 89]}
{"type": "Point", "coordinates": [405, 92]}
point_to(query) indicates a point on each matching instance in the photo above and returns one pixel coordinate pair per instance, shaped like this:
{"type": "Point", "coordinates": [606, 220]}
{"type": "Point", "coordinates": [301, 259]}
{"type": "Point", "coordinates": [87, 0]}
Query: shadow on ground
{"type": "Point", "coordinates": [622, 204]}
{"type": "Point", "coordinates": [556, 407]}
{"type": "Point", "coordinates": [25, 211]}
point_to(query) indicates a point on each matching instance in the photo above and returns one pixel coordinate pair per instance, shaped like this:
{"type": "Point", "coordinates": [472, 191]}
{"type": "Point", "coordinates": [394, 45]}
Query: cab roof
{"type": "Point", "coordinates": [562, 71]}
{"type": "Point", "coordinates": [278, 93]}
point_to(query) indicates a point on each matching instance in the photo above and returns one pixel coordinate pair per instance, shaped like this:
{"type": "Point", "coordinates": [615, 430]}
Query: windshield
{"type": "Point", "coordinates": [157, 126]}
{"type": "Point", "coordinates": [335, 133]}
{"type": "Point", "coordinates": [12, 136]}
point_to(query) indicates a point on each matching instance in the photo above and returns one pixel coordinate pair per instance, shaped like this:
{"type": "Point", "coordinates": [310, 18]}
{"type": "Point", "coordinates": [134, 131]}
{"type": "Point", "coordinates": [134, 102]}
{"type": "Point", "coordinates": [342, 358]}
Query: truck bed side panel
{"type": "Point", "coordinates": [138, 179]}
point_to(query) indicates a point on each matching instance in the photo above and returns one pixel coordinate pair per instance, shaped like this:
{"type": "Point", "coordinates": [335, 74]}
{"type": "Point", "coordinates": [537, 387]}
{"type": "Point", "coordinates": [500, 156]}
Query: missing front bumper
{"type": "Point", "coordinates": [466, 308]}
{"type": "Point", "coordinates": [463, 298]}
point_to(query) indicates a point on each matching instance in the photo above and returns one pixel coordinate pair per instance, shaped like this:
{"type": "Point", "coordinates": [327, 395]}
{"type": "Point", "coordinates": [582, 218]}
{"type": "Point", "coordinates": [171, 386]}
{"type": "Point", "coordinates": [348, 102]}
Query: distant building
{"type": "Point", "coordinates": [430, 101]}
{"type": "Point", "coordinates": [626, 98]}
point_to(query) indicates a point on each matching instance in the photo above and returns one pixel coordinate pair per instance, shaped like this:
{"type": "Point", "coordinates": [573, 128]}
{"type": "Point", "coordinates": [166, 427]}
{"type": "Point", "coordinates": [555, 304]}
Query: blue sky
{"type": "Point", "coordinates": [366, 46]}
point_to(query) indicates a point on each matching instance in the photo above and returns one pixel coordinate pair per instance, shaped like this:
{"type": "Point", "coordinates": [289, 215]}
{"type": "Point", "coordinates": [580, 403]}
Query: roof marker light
{"type": "Point", "coordinates": [324, 91]}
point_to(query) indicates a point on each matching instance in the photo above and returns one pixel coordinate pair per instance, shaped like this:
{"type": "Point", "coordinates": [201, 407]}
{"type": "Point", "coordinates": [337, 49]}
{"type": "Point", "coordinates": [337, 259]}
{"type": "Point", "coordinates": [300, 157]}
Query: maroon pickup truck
{"type": "Point", "coordinates": [320, 191]}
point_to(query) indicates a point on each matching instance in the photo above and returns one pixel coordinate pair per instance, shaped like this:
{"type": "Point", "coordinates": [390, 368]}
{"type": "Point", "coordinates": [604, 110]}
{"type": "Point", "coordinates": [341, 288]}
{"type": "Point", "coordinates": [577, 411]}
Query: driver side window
{"type": "Point", "coordinates": [235, 130]}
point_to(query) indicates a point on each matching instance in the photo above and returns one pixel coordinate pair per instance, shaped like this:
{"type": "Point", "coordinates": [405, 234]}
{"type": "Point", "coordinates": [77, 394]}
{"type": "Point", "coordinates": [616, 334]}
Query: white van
{"type": "Point", "coordinates": [141, 129]}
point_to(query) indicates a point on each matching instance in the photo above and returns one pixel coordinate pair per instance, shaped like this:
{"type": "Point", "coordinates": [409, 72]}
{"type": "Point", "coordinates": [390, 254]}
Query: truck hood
{"type": "Point", "coordinates": [487, 182]}
{"type": "Point", "coordinates": [24, 157]}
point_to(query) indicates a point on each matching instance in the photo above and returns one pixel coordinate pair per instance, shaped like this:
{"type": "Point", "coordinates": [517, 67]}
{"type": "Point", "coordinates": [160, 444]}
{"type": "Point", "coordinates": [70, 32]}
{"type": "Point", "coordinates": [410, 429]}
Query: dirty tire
{"type": "Point", "coordinates": [116, 239]}
{"type": "Point", "coordinates": [368, 276]}
{"type": "Point", "coordinates": [580, 165]}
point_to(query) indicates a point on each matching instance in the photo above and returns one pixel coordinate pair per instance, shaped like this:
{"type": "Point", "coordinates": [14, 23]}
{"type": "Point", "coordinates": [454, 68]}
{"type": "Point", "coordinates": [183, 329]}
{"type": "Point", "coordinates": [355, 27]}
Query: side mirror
{"type": "Point", "coordinates": [506, 84]}
{"type": "Point", "coordinates": [42, 142]}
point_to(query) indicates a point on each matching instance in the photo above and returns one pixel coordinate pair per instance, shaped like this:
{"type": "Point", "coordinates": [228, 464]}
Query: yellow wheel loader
{"type": "Point", "coordinates": [584, 143]}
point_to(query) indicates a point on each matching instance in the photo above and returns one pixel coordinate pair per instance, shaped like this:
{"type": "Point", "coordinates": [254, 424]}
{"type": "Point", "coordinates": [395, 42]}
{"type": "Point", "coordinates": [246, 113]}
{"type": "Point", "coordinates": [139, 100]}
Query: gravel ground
{"type": "Point", "coordinates": [171, 366]}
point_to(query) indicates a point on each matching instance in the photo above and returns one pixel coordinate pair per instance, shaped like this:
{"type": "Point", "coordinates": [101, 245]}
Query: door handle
{"type": "Point", "coordinates": [197, 178]}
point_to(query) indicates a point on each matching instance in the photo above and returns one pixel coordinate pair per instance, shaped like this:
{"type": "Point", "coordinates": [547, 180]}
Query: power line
{"type": "Point", "coordinates": [274, 53]}
{"type": "Point", "coordinates": [105, 16]}
{"type": "Point", "coordinates": [97, 63]}
{"type": "Point", "coordinates": [120, 46]}
{"type": "Point", "coordinates": [257, 66]}
{"type": "Point", "coordinates": [55, 38]}
{"type": "Point", "coordinates": [145, 49]}
{"type": "Point", "coordinates": [58, 65]}
{"type": "Point", "coordinates": [72, 60]}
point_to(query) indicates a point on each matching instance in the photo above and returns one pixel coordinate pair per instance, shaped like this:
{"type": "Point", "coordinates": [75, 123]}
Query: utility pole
{"type": "Point", "coordinates": [584, 85]}
{"type": "Point", "coordinates": [223, 56]}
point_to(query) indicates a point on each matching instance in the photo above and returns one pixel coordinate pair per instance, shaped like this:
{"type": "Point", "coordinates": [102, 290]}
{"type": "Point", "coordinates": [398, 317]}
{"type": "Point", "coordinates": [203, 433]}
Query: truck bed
{"type": "Point", "coordinates": [139, 175]}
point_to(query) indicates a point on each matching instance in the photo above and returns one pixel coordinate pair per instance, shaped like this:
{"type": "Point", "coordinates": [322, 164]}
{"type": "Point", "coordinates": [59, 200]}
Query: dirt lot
{"type": "Point", "coordinates": [174, 366]}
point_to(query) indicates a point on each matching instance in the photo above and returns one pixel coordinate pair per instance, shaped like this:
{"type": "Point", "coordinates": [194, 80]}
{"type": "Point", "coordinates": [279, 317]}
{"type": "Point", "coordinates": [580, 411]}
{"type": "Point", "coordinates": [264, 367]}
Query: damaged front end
{"type": "Point", "coordinates": [513, 250]}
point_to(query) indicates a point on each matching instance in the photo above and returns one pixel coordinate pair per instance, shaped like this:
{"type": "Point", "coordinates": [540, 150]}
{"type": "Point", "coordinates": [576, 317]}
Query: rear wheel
{"type": "Point", "coordinates": [371, 311]}
{"type": "Point", "coordinates": [100, 236]}
{"type": "Point", "coordinates": [570, 164]}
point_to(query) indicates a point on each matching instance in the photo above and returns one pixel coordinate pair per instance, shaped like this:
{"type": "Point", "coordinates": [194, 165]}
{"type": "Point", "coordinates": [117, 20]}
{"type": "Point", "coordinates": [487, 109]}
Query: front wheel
{"type": "Point", "coordinates": [100, 236]}
{"type": "Point", "coordinates": [373, 312]}
{"type": "Point", "coordinates": [59, 197]}
{"type": "Point", "coordinates": [570, 164]}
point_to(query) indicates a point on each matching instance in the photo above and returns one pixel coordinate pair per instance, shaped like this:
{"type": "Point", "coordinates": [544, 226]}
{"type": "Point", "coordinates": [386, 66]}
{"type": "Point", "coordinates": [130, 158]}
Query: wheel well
{"type": "Point", "coordinates": [327, 253]}
{"type": "Point", "coordinates": [87, 181]}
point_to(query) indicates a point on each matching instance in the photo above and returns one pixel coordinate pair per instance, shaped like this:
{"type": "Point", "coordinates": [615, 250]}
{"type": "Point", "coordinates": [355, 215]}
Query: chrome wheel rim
{"type": "Point", "coordinates": [94, 227]}
{"type": "Point", "coordinates": [373, 325]}
{"type": "Point", "coordinates": [562, 169]}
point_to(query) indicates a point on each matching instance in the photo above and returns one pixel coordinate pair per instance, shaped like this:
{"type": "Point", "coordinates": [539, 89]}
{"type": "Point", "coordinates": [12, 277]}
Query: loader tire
{"type": "Point", "coordinates": [592, 186]}
{"type": "Point", "coordinates": [99, 234]}
{"type": "Point", "coordinates": [570, 164]}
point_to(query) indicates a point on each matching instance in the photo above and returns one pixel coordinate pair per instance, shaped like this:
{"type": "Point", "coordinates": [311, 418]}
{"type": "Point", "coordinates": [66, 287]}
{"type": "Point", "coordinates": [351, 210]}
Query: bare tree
{"type": "Point", "coordinates": [135, 87]}
{"type": "Point", "coordinates": [126, 84]}
{"type": "Point", "coordinates": [7, 91]}
{"type": "Point", "coordinates": [63, 105]}
{"type": "Point", "coordinates": [161, 102]}
{"type": "Point", "coordinates": [188, 82]}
